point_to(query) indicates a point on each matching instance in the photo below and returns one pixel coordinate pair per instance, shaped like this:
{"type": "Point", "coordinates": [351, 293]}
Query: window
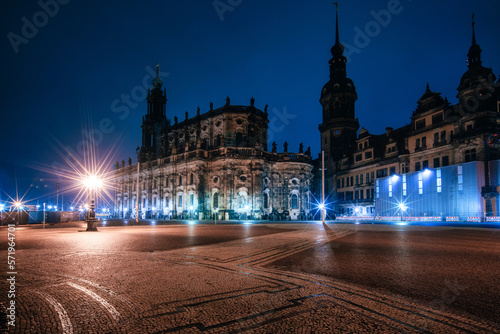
{"type": "Point", "coordinates": [361, 194]}
{"type": "Point", "coordinates": [368, 193]}
{"type": "Point", "coordinates": [436, 138]}
{"type": "Point", "coordinates": [356, 195]}
{"type": "Point", "coordinates": [359, 157]}
{"type": "Point", "coordinates": [470, 155]}
{"type": "Point", "coordinates": [469, 127]}
{"type": "Point", "coordinates": [368, 155]}
{"type": "Point", "coordinates": [460, 179]}
{"type": "Point", "coordinates": [295, 201]}
{"type": "Point", "coordinates": [382, 172]}
{"type": "Point", "coordinates": [367, 177]}
{"type": "Point", "coordinates": [218, 141]}
{"type": "Point", "coordinates": [425, 164]}
{"type": "Point", "coordinates": [424, 142]}
{"type": "Point", "coordinates": [420, 184]}
{"type": "Point", "coordinates": [180, 180]}
{"type": "Point", "coordinates": [191, 178]}
{"type": "Point", "coordinates": [338, 183]}
{"type": "Point", "coordinates": [446, 161]}
{"type": "Point", "coordinates": [417, 143]}
{"type": "Point", "coordinates": [191, 199]}
{"type": "Point", "coordinates": [417, 166]}
{"type": "Point", "coordinates": [438, 180]}
{"type": "Point", "coordinates": [361, 179]}
{"type": "Point", "coordinates": [343, 182]}
{"type": "Point", "coordinates": [390, 187]}
{"type": "Point", "coordinates": [372, 176]}
{"type": "Point", "coordinates": [357, 180]}
{"type": "Point", "coordinates": [420, 124]}
{"type": "Point", "coordinates": [392, 171]}
{"type": "Point", "coordinates": [443, 136]}
{"type": "Point", "coordinates": [437, 118]}
{"type": "Point", "coordinates": [377, 188]}
{"type": "Point", "coordinates": [266, 200]}
{"type": "Point", "coordinates": [404, 185]}
{"type": "Point", "coordinates": [352, 181]}
{"type": "Point", "coordinates": [436, 162]}
{"type": "Point", "coordinates": [239, 139]}
{"type": "Point", "coordinates": [180, 201]}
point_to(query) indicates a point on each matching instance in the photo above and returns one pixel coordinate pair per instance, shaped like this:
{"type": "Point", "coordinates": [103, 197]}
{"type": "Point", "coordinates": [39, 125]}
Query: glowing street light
{"type": "Point", "coordinates": [92, 183]}
{"type": "Point", "coordinates": [403, 209]}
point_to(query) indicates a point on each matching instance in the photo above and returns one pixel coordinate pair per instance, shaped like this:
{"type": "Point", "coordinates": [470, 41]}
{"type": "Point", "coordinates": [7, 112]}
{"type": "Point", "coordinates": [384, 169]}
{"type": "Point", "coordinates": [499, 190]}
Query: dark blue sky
{"type": "Point", "coordinates": [84, 59]}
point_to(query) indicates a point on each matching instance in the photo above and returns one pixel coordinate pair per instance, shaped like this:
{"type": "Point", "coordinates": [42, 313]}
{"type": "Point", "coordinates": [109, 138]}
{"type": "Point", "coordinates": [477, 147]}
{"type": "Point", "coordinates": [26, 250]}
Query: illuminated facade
{"type": "Point", "coordinates": [213, 165]}
{"type": "Point", "coordinates": [439, 135]}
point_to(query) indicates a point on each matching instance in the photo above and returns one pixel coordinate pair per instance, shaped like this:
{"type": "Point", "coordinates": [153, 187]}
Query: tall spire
{"type": "Point", "coordinates": [337, 40]}
{"type": "Point", "coordinates": [474, 51]}
{"type": "Point", "coordinates": [473, 30]}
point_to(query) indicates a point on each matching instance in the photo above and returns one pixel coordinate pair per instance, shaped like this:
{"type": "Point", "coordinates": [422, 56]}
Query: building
{"type": "Point", "coordinates": [212, 165]}
{"type": "Point", "coordinates": [440, 136]}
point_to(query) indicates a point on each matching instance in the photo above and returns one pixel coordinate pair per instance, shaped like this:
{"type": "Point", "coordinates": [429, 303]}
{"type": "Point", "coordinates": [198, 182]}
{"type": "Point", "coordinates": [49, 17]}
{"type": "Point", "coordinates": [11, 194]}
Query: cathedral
{"type": "Point", "coordinates": [214, 165]}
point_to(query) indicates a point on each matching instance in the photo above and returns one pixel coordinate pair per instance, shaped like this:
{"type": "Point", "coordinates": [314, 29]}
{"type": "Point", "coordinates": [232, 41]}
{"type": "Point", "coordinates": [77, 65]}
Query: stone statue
{"type": "Point", "coordinates": [117, 165]}
{"type": "Point", "coordinates": [228, 100]}
{"type": "Point", "coordinates": [265, 108]}
{"type": "Point", "coordinates": [274, 147]}
{"type": "Point", "coordinates": [308, 152]}
{"type": "Point", "coordinates": [123, 163]}
{"type": "Point", "coordinates": [130, 161]}
{"type": "Point", "coordinates": [252, 101]}
{"type": "Point", "coordinates": [175, 119]}
{"type": "Point", "coordinates": [301, 148]}
{"type": "Point", "coordinates": [285, 147]}
{"type": "Point", "coordinates": [187, 115]}
{"type": "Point", "coordinates": [198, 111]}
{"type": "Point", "coordinates": [211, 106]}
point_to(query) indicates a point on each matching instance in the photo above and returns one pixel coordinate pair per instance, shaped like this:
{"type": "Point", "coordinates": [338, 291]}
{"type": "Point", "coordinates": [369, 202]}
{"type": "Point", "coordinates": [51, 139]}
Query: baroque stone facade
{"type": "Point", "coordinates": [213, 165]}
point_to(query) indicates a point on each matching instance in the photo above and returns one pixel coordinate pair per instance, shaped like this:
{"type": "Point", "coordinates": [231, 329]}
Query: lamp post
{"type": "Point", "coordinates": [92, 183]}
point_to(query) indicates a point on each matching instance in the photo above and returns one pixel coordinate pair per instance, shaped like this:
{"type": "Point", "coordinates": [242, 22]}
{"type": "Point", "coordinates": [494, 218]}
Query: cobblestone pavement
{"type": "Point", "coordinates": [213, 288]}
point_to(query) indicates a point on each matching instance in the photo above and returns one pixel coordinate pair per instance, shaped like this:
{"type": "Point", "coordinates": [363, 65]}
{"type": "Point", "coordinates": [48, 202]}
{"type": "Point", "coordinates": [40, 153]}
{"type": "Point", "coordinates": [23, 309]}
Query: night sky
{"type": "Point", "coordinates": [88, 55]}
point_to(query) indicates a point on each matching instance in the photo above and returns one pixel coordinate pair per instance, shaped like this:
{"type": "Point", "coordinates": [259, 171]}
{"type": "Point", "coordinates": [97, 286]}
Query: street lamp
{"type": "Point", "coordinates": [92, 183]}
{"type": "Point", "coordinates": [403, 208]}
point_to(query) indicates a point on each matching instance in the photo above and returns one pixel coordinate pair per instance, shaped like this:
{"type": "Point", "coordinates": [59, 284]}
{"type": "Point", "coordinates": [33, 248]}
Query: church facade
{"type": "Point", "coordinates": [214, 165]}
{"type": "Point", "coordinates": [361, 167]}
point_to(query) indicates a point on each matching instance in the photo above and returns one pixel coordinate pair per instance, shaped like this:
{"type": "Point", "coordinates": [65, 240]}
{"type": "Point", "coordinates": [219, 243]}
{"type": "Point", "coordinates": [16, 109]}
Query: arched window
{"type": "Point", "coordinates": [180, 180]}
{"type": "Point", "coordinates": [191, 181]}
{"type": "Point", "coordinates": [218, 141]}
{"type": "Point", "coordinates": [295, 201]}
{"type": "Point", "coordinates": [239, 139]}
{"type": "Point", "coordinates": [216, 200]}
{"type": "Point", "coordinates": [204, 144]}
{"type": "Point", "coordinates": [266, 200]}
{"type": "Point", "coordinates": [179, 204]}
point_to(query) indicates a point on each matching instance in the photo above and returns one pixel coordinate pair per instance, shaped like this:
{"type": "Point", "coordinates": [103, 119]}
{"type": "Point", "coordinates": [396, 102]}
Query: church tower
{"type": "Point", "coordinates": [339, 127]}
{"type": "Point", "coordinates": [154, 121]}
{"type": "Point", "coordinates": [477, 84]}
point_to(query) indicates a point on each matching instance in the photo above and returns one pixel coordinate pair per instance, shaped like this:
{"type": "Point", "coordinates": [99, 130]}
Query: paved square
{"type": "Point", "coordinates": [204, 279]}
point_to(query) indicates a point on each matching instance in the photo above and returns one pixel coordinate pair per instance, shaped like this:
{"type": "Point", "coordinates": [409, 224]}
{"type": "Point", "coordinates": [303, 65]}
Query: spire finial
{"type": "Point", "coordinates": [336, 22]}
{"type": "Point", "coordinates": [473, 30]}
{"type": "Point", "coordinates": [428, 89]}
{"type": "Point", "coordinates": [157, 69]}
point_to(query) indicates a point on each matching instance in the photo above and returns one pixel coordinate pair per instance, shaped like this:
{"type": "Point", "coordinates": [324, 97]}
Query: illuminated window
{"type": "Point", "coordinates": [180, 201]}
{"type": "Point", "coordinates": [438, 180]}
{"type": "Point", "coordinates": [404, 185]}
{"type": "Point", "coordinates": [295, 201]}
{"type": "Point", "coordinates": [191, 199]}
{"type": "Point", "coordinates": [266, 201]}
{"type": "Point", "coordinates": [420, 184]}
{"type": "Point", "coordinates": [460, 179]}
{"type": "Point", "coordinates": [377, 190]}
{"type": "Point", "coordinates": [390, 187]}
{"type": "Point", "coordinates": [216, 200]}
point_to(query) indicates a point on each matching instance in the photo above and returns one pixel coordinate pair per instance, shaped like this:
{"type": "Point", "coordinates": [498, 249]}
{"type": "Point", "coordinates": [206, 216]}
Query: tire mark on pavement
{"type": "Point", "coordinates": [110, 308]}
{"type": "Point", "coordinates": [67, 326]}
